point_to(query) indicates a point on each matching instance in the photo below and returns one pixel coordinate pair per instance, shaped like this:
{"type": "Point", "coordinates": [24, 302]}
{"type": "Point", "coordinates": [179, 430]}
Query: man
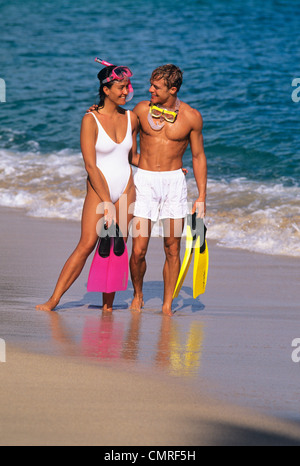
{"type": "Point", "coordinates": [167, 126]}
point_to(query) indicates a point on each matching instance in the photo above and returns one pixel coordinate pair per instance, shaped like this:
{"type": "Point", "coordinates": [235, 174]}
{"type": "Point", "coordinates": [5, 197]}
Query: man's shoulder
{"type": "Point", "coordinates": [190, 110]}
{"type": "Point", "coordinates": [144, 103]}
{"type": "Point", "coordinates": [141, 106]}
{"type": "Point", "coordinates": [192, 115]}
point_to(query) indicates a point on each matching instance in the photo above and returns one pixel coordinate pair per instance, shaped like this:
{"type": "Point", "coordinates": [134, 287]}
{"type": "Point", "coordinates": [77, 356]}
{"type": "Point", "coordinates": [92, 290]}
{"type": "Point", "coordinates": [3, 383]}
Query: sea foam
{"type": "Point", "coordinates": [260, 217]}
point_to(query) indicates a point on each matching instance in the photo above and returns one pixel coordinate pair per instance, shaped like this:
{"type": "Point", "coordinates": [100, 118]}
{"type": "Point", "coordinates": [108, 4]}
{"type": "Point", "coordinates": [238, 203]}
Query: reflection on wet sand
{"type": "Point", "coordinates": [62, 336]}
{"type": "Point", "coordinates": [102, 338]}
{"type": "Point", "coordinates": [180, 353]}
{"type": "Point", "coordinates": [178, 349]}
{"type": "Point", "coordinates": [167, 344]}
{"type": "Point", "coordinates": [132, 338]}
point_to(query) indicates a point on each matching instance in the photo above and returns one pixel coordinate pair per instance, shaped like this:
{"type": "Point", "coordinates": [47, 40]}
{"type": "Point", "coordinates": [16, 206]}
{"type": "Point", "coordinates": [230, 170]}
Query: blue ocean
{"type": "Point", "coordinates": [241, 63]}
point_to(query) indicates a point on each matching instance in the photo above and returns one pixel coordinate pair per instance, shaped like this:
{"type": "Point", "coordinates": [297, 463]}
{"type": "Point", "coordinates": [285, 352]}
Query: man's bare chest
{"type": "Point", "coordinates": [178, 131]}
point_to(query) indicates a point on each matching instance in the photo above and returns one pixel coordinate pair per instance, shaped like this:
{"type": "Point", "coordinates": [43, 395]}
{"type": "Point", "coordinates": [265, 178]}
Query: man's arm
{"type": "Point", "coordinates": [199, 162]}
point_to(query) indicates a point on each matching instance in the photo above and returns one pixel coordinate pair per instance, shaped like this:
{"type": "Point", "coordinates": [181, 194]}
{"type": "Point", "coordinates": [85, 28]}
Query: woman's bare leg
{"type": "Point", "coordinates": [123, 219]}
{"type": "Point", "coordinates": [86, 245]}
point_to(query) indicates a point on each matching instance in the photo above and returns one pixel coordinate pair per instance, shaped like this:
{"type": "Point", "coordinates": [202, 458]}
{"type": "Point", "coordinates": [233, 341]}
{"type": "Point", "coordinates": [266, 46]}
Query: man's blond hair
{"type": "Point", "coordinates": [171, 74]}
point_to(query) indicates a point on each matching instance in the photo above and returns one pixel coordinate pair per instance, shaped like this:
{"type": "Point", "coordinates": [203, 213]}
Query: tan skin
{"type": "Point", "coordinates": [163, 151]}
{"type": "Point", "coordinates": [114, 121]}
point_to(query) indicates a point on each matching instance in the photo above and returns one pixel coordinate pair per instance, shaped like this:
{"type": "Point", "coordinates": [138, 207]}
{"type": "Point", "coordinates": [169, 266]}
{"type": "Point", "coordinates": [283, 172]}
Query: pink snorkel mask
{"type": "Point", "coordinates": [118, 73]}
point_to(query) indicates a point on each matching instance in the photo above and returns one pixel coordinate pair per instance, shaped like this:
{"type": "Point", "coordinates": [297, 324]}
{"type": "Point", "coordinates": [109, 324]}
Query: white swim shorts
{"type": "Point", "coordinates": [160, 195]}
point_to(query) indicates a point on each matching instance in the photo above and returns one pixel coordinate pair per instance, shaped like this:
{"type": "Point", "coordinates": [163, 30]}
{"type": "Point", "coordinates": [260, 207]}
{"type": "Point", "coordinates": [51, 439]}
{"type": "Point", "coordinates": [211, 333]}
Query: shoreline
{"type": "Point", "coordinates": [156, 233]}
{"type": "Point", "coordinates": [226, 356]}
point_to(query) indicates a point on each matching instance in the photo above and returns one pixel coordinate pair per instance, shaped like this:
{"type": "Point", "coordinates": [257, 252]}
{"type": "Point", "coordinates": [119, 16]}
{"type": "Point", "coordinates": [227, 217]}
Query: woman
{"type": "Point", "coordinates": [108, 142]}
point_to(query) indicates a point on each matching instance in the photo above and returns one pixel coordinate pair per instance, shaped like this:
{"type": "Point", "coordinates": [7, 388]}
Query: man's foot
{"type": "Point", "coordinates": [48, 306]}
{"type": "Point", "coordinates": [167, 310]}
{"type": "Point", "coordinates": [137, 303]}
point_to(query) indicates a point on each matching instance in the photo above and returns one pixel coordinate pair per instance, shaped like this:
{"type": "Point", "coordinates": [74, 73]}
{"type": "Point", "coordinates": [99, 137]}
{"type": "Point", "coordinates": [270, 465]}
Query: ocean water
{"type": "Point", "coordinates": [240, 59]}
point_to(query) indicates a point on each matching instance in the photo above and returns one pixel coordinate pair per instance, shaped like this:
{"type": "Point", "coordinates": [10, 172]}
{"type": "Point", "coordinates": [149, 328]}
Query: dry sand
{"type": "Point", "coordinates": [146, 391]}
{"type": "Point", "coordinates": [54, 401]}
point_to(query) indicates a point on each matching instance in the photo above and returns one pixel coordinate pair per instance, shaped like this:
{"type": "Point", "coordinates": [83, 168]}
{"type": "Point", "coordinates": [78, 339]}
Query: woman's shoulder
{"type": "Point", "coordinates": [88, 122]}
{"type": "Point", "coordinates": [87, 117]}
{"type": "Point", "coordinates": [133, 118]}
{"type": "Point", "coordinates": [132, 114]}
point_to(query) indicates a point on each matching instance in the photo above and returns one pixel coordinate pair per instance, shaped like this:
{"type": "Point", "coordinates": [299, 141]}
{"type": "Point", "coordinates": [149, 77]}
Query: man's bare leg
{"type": "Point", "coordinates": [172, 240]}
{"type": "Point", "coordinates": [138, 264]}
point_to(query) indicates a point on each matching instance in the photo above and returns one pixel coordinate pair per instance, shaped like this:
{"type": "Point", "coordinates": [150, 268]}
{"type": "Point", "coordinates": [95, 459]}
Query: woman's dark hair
{"type": "Point", "coordinates": [102, 75]}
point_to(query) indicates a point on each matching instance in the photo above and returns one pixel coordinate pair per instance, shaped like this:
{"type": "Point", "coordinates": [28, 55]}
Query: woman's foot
{"type": "Point", "coordinates": [108, 301]}
{"type": "Point", "coordinates": [106, 308]}
{"type": "Point", "coordinates": [48, 306]}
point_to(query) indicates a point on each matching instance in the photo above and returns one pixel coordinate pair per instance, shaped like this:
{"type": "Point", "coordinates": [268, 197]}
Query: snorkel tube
{"type": "Point", "coordinates": [130, 88]}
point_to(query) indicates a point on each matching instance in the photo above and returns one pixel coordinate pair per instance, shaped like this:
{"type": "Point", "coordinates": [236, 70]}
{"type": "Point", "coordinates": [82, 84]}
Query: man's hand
{"type": "Point", "coordinates": [92, 108]}
{"type": "Point", "coordinates": [200, 208]}
{"type": "Point", "coordinates": [185, 171]}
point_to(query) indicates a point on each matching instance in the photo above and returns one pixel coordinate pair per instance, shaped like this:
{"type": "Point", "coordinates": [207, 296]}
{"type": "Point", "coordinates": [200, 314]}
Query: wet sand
{"type": "Point", "coordinates": [219, 372]}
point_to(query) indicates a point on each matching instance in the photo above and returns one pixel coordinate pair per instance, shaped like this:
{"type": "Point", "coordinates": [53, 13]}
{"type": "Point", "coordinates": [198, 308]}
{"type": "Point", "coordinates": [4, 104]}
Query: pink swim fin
{"type": "Point", "coordinates": [109, 273]}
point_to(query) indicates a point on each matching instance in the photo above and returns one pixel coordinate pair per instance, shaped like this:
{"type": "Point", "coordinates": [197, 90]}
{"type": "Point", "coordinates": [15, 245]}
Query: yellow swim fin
{"type": "Point", "coordinates": [201, 261]}
{"type": "Point", "coordinates": [189, 248]}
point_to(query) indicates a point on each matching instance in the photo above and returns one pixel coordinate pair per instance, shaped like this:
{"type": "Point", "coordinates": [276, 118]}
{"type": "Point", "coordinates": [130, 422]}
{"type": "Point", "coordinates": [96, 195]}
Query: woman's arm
{"type": "Point", "coordinates": [134, 156]}
{"type": "Point", "coordinates": [88, 137]}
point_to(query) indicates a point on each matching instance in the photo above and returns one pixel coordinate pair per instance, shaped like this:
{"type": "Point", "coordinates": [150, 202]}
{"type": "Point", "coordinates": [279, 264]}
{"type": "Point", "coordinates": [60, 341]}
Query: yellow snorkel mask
{"type": "Point", "coordinates": [164, 114]}
{"type": "Point", "coordinates": [168, 115]}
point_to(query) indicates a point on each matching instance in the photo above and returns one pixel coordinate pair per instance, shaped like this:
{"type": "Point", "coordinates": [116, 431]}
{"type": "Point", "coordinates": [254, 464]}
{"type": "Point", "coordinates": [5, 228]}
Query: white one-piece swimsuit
{"type": "Point", "coordinates": [112, 159]}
